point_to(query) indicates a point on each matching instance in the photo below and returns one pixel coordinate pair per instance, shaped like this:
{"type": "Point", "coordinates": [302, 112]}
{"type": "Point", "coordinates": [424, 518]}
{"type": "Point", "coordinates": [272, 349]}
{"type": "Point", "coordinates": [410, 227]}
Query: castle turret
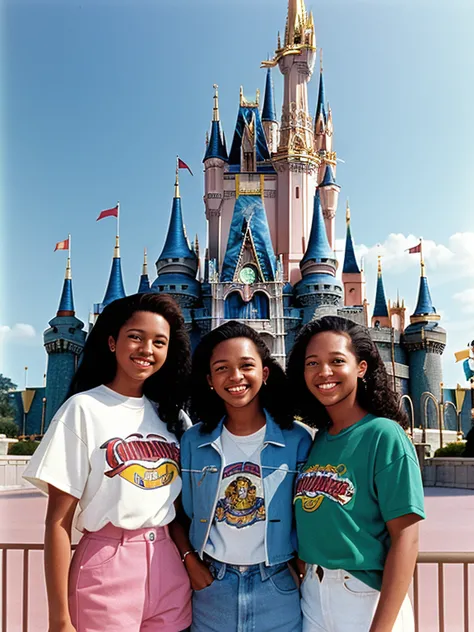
{"type": "Point", "coordinates": [177, 264]}
{"type": "Point", "coordinates": [215, 160]}
{"type": "Point", "coordinates": [425, 342]}
{"type": "Point", "coordinates": [321, 116]}
{"type": "Point", "coordinates": [64, 341]}
{"type": "Point", "coordinates": [115, 288]}
{"type": "Point", "coordinates": [319, 286]}
{"type": "Point", "coordinates": [329, 191]}
{"type": "Point", "coordinates": [144, 285]}
{"type": "Point", "coordinates": [380, 316]}
{"type": "Point", "coordinates": [269, 117]}
{"type": "Point", "coordinates": [352, 275]}
{"type": "Point", "coordinates": [296, 160]}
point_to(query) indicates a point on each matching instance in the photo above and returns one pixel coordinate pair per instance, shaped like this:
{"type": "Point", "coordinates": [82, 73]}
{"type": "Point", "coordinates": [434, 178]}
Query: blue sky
{"type": "Point", "coordinates": [98, 97]}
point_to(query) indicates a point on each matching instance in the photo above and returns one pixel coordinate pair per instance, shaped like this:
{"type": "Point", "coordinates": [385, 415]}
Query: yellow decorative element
{"type": "Point", "coordinates": [299, 33]}
{"type": "Point", "coordinates": [246, 103]}
{"type": "Point", "coordinates": [215, 112]}
{"type": "Point", "coordinates": [459, 394]}
{"type": "Point", "coordinates": [379, 265]}
{"type": "Point", "coordinates": [262, 185]}
{"type": "Point", "coordinates": [176, 183]}
{"type": "Point", "coordinates": [311, 504]}
{"type": "Point", "coordinates": [150, 478]}
{"type": "Point", "coordinates": [424, 319]}
{"type": "Point", "coordinates": [237, 186]}
{"type": "Point", "coordinates": [117, 247]}
{"type": "Point", "coordinates": [461, 355]}
{"type": "Point", "coordinates": [27, 397]}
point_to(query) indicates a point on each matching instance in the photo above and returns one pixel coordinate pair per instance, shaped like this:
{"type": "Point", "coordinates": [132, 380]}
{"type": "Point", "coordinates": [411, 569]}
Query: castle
{"type": "Point", "coordinates": [270, 206]}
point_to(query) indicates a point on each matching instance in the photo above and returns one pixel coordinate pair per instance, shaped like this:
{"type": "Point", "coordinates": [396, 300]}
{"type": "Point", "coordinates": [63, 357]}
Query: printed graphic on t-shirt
{"type": "Point", "coordinates": [323, 481]}
{"type": "Point", "coordinates": [130, 458]}
{"type": "Point", "coordinates": [241, 503]}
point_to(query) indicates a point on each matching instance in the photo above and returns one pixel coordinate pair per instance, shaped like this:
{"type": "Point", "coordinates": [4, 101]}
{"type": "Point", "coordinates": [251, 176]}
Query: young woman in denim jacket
{"type": "Point", "coordinates": [239, 466]}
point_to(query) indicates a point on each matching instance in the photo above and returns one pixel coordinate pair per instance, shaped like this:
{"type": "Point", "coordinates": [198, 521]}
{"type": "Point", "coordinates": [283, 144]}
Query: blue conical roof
{"type": "Point", "coordinates": [144, 285]}
{"type": "Point", "coordinates": [66, 303]}
{"type": "Point", "coordinates": [380, 306]}
{"type": "Point", "coordinates": [216, 147]}
{"type": "Point", "coordinates": [321, 107]}
{"type": "Point", "coordinates": [176, 245]}
{"type": "Point", "coordinates": [329, 177]}
{"type": "Point", "coordinates": [318, 245]}
{"type": "Point", "coordinates": [424, 305]}
{"type": "Point", "coordinates": [269, 110]}
{"type": "Point", "coordinates": [115, 288]}
{"type": "Point", "coordinates": [350, 262]}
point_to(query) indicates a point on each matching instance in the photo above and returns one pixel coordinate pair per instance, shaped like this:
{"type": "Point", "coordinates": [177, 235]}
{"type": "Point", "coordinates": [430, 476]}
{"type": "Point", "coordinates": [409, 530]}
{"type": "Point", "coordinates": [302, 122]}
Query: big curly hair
{"type": "Point", "coordinates": [208, 407]}
{"type": "Point", "coordinates": [168, 387]}
{"type": "Point", "coordinates": [374, 393]}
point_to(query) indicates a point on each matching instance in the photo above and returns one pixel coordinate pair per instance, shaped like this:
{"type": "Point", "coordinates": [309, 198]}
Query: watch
{"type": "Point", "coordinates": [247, 275]}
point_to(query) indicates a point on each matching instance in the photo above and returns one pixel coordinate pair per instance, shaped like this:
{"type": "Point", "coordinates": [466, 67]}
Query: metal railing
{"type": "Point", "coordinates": [440, 559]}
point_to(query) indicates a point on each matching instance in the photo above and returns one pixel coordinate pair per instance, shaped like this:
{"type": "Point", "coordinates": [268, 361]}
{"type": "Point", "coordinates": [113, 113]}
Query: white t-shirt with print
{"type": "Point", "coordinates": [115, 455]}
{"type": "Point", "coordinates": [237, 535]}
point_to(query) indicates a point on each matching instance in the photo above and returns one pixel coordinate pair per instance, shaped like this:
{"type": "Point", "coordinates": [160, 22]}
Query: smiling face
{"type": "Point", "coordinates": [331, 369]}
{"type": "Point", "coordinates": [236, 372]}
{"type": "Point", "coordinates": [140, 350]}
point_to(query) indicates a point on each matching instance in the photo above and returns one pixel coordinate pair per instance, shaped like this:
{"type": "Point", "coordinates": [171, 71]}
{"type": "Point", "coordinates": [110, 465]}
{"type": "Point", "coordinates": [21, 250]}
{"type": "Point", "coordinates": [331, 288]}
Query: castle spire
{"type": "Point", "coordinates": [350, 262]}
{"type": "Point", "coordinates": [115, 288]}
{"type": "Point", "coordinates": [321, 117]}
{"type": "Point", "coordinates": [176, 245]}
{"type": "Point", "coordinates": [216, 147]}
{"type": "Point", "coordinates": [269, 110]}
{"type": "Point", "coordinates": [318, 245]}
{"type": "Point", "coordinates": [424, 306]}
{"type": "Point", "coordinates": [380, 314]}
{"type": "Point", "coordinates": [66, 303]}
{"type": "Point", "coordinates": [144, 285]}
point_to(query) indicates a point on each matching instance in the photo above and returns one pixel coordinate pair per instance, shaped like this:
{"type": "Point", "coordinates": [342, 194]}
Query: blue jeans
{"type": "Point", "coordinates": [254, 598]}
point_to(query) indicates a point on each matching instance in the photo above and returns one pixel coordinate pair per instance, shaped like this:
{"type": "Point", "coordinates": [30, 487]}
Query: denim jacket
{"type": "Point", "coordinates": [283, 452]}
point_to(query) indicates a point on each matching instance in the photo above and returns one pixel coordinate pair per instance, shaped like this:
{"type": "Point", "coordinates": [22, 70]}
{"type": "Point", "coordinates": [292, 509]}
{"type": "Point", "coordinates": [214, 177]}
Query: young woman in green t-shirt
{"type": "Point", "coordinates": [359, 497]}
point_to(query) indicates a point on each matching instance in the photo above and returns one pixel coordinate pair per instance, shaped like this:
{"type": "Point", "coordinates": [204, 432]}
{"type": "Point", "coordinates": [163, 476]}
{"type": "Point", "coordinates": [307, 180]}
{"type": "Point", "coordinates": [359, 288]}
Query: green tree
{"type": "Point", "coordinates": [6, 409]}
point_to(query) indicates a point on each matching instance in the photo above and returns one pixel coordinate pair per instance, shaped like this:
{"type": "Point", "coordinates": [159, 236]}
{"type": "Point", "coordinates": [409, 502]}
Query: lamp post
{"type": "Point", "coordinates": [408, 399]}
{"type": "Point", "coordinates": [460, 394]}
{"type": "Point", "coordinates": [441, 414]}
{"type": "Point", "coordinates": [427, 397]}
{"type": "Point", "coordinates": [43, 413]}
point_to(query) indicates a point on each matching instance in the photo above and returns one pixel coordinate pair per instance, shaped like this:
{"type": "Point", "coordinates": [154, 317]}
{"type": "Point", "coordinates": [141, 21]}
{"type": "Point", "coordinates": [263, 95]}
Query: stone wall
{"type": "Point", "coordinates": [11, 472]}
{"type": "Point", "coordinates": [455, 472]}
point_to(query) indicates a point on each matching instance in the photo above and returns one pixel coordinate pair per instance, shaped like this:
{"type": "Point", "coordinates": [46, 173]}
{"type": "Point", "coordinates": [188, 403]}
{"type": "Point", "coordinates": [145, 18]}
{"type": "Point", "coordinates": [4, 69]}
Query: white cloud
{"type": "Point", "coordinates": [19, 332]}
{"type": "Point", "coordinates": [466, 298]}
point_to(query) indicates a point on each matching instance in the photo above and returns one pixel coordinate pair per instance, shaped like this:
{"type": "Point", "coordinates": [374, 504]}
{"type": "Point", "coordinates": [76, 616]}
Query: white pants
{"type": "Point", "coordinates": [342, 603]}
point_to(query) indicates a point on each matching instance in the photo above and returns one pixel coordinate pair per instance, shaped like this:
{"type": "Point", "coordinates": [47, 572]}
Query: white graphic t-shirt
{"type": "Point", "coordinates": [115, 455]}
{"type": "Point", "coordinates": [237, 534]}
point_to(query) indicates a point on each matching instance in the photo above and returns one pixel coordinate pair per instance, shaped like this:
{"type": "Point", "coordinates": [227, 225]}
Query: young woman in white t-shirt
{"type": "Point", "coordinates": [239, 467]}
{"type": "Point", "coordinates": [112, 450]}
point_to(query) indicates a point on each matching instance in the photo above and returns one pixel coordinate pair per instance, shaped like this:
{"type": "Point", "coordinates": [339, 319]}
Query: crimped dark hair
{"type": "Point", "coordinates": [374, 393]}
{"type": "Point", "coordinates": [208, 407]}
{"type": "Point", "coordinates": [168, 387]}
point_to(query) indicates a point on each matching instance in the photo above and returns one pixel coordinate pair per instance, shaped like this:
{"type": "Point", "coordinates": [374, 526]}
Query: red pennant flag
{"type": "Point", "coordinates": [62, 245]}
{"type": "Point", "coordinates": [183, 165]}
{"type": "Point", "coordinates": [110, 212]}
{"type": "Point", "coordinates": [414, 249]}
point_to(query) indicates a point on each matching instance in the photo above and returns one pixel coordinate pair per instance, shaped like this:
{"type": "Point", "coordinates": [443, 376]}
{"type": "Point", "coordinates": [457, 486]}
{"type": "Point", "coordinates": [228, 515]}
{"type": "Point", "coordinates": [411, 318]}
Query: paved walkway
{"type": "Point", "coordinates": [449, 527]}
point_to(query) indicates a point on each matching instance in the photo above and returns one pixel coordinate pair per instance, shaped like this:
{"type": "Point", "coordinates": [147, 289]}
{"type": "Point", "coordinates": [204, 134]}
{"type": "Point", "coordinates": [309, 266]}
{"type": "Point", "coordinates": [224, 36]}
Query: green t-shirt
{"type": "Point", "coordinates": [352, 484]}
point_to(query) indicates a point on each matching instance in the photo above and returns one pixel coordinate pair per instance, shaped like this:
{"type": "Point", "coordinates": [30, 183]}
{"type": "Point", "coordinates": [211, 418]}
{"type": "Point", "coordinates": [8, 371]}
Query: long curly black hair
{"type": "Point", "coordinates": [168, 387]}
{"type": "Point", "coordinates": [208, 407]}
{"type": "Point", "coordinates": [374, 393]}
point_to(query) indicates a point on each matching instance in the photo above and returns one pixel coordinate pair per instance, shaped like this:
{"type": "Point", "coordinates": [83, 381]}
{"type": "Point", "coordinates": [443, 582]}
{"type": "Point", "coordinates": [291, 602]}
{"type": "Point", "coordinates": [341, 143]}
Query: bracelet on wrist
{"type": "Point", "coordinates": [186, 553]}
